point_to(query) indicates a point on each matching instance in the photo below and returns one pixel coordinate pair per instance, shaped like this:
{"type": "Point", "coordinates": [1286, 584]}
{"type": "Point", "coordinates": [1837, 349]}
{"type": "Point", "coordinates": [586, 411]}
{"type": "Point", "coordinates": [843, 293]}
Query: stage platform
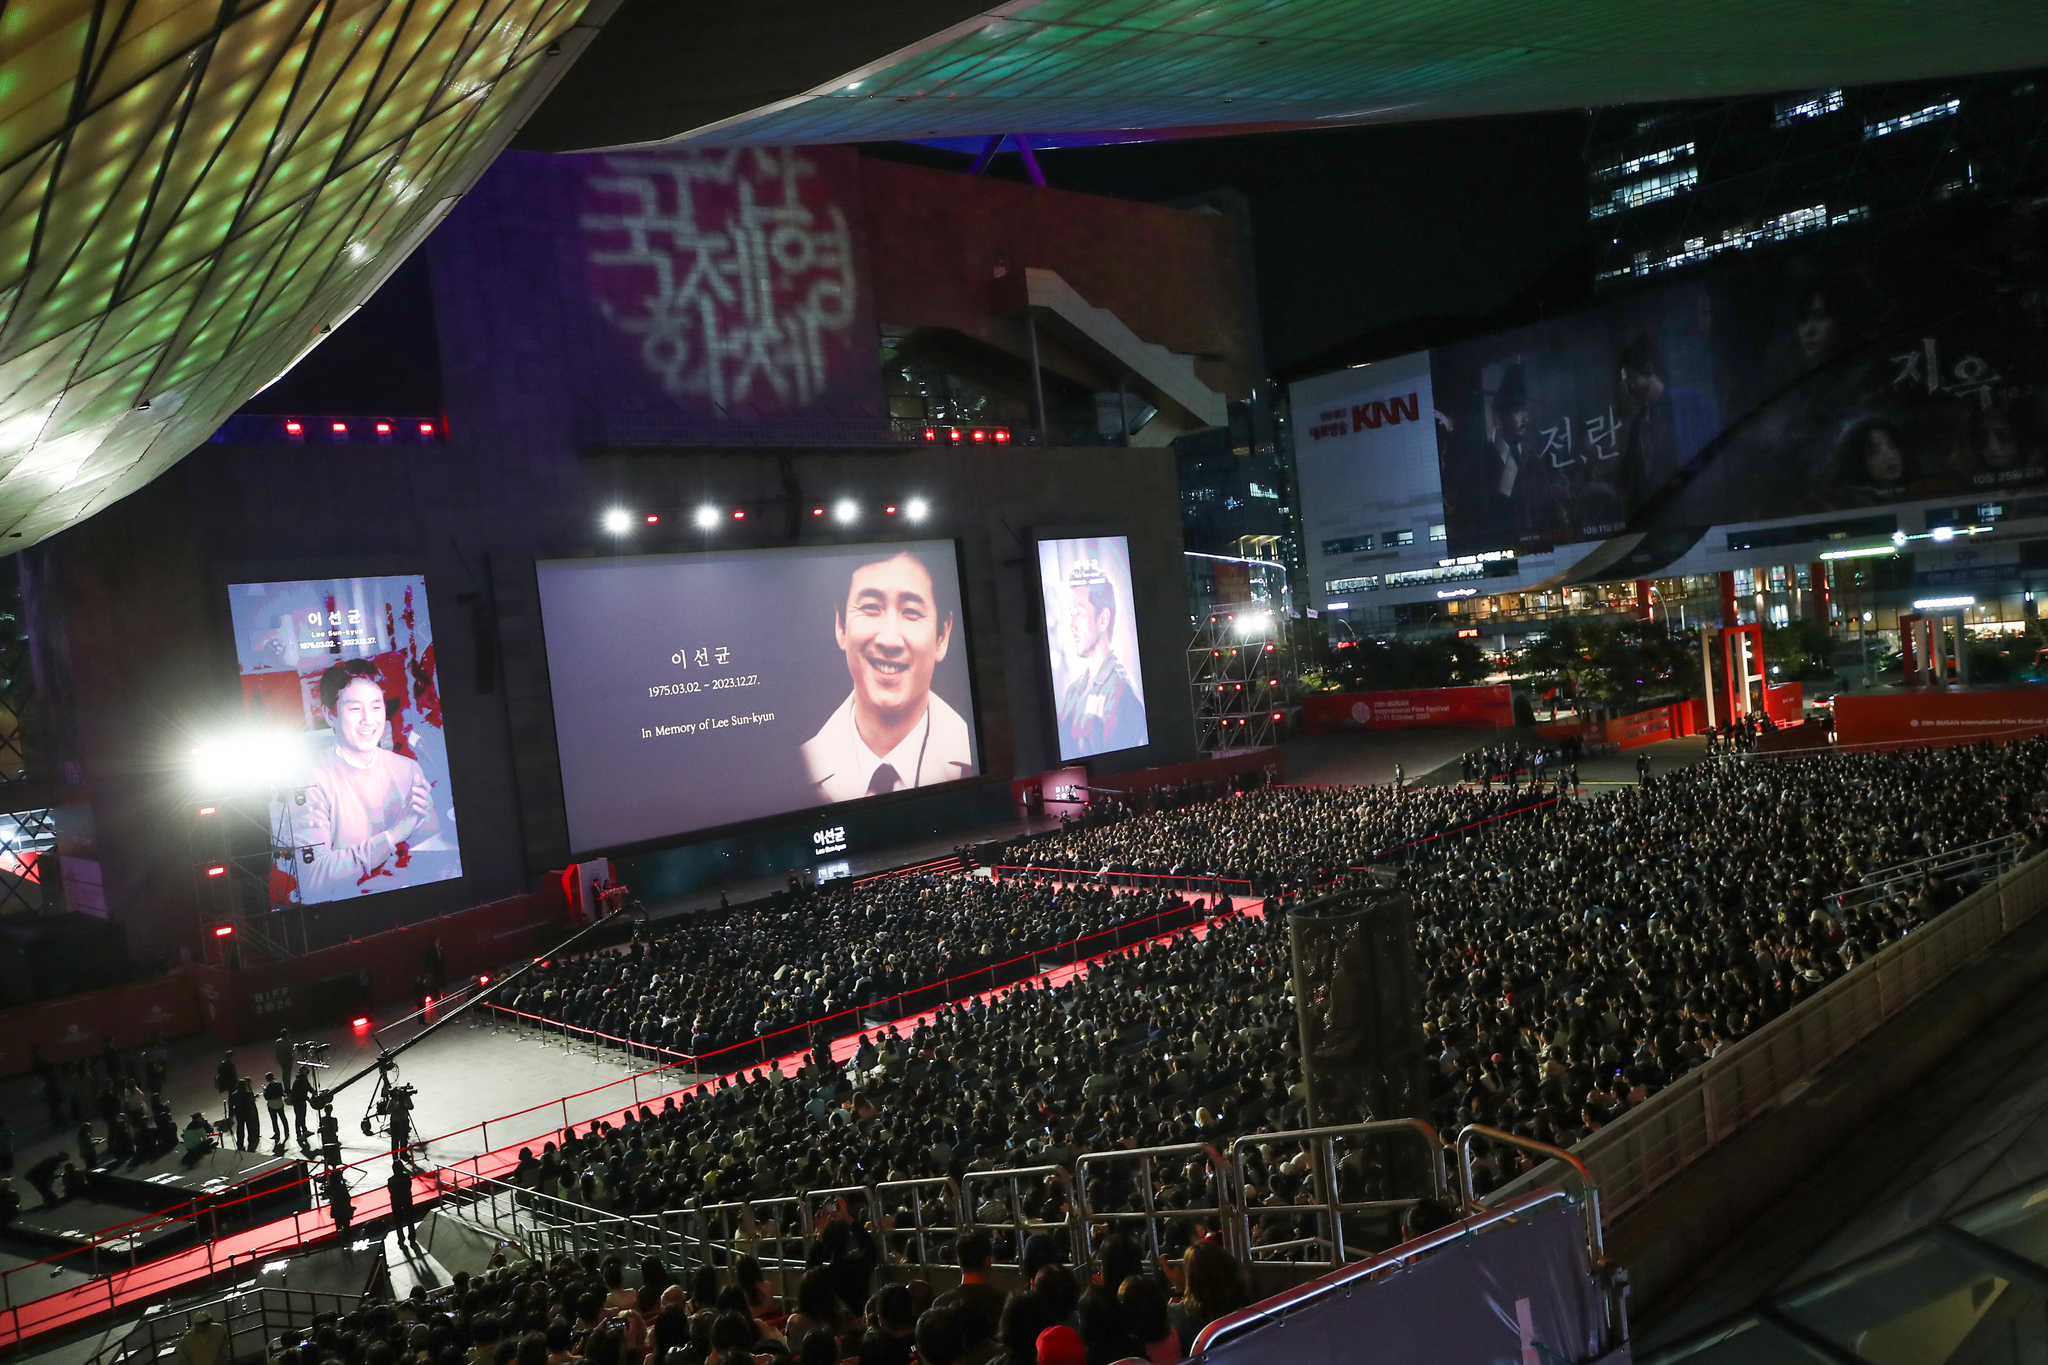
{"type": "Point", "coordinates": [74, 1223]}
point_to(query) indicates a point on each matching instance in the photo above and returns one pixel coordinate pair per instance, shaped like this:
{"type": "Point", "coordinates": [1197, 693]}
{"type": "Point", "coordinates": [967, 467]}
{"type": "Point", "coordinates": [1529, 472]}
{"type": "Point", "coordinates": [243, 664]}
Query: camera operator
{"type": "Point", "coordinates": [401, 1117]}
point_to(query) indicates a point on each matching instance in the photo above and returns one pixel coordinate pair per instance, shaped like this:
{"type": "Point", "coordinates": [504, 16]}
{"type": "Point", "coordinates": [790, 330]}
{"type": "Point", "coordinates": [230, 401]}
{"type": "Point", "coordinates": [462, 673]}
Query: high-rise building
{"type": "Point", "coordinates": [1671, 187]}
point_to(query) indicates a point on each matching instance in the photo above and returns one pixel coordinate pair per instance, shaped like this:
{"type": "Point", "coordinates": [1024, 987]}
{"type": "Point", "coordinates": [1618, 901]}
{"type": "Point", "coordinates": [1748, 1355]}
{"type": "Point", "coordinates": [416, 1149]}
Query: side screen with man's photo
{"type": "Point", "coordinates": [338, 677]}
{"type": "Point", "coordinates": [698, 690]}
{"type": "Point", "coordinates": [1091, 636]}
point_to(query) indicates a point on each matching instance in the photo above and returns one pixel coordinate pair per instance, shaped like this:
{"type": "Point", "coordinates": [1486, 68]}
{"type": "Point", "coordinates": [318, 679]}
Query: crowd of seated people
{"type": "Point", "coordinates": [1277, 837]}
{"type": "Point", "coordinates": [1583, 958]}
{"type": "Point", "coordinates": [704, 986]}
{"type": "Point", "coordinates": [1576, 958]}
{"type": "Point", "coordinates": [843, 1308]}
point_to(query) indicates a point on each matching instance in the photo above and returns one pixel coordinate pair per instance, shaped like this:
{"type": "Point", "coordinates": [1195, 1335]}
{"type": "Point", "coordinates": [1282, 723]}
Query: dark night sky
{"type": "Point", "coordinates": [1356, 229]}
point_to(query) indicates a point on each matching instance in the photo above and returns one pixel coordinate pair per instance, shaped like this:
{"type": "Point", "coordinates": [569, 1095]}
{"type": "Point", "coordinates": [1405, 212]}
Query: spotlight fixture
{"type": "Point", "coordinates": [653, 519]}
{"type": "Point", "coordinates": [916, 509]}
{"type": "Point", "coordinates": [846, 512]}
{"type": "Point", "coordinates": [618, 521]}
{"type": "Point", "coordinates": [890, 510]}
{"type": "Point", "coordinates": [706, 518]}
{"type": "Point", "coordinates": [294, 428]}
{"type": "Point", "coordinates": [817, 511]}
{"type": "Point", "coordinates": [739, 514]}
{"type": "Point", "coordinates": [426, 428]}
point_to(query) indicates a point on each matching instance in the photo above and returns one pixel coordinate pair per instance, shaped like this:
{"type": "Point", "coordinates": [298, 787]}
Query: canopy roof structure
{"type": "Point", "coordinates": [1095, 70]}
{"type": "Point", "coordinates": [193, 191]}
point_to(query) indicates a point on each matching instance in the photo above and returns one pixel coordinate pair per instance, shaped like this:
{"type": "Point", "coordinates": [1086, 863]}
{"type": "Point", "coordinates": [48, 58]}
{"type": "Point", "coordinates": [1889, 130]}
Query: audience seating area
{"type": "Point", "coordinates": [1579, 955]}
{"type": "Point", "coordinates": [1075, 1145]}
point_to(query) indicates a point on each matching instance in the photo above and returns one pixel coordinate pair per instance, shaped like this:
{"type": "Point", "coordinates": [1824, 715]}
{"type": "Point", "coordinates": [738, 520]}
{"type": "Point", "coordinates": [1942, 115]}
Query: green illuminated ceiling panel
{"type": "Point", "coordinates": [191, 192]}
{"type": "Point", "coordinates": [1108, 66]}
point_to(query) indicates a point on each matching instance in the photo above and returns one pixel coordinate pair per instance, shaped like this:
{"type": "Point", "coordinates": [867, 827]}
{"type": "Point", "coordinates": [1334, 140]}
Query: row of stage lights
{"type": "Point", "coordinates": [338, 430]}
{"type": "Point", "coordinates": [966, 436]}
{"type": "Point", "coordinates": [618, 521]}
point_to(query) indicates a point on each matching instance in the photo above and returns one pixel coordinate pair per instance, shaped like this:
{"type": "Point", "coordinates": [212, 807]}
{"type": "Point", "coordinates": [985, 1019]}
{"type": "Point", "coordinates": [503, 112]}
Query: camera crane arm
{"type": "Point", "coordinates": [386, 1056]}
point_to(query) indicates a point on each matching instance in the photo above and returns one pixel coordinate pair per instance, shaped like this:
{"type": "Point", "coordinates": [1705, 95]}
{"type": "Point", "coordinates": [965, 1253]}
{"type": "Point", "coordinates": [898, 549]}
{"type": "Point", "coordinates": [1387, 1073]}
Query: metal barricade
{"type": "Point", "coordinates": [939, 1191]}
{"type": "Point", "coordinates": [717, 1235]}
{"type": "Point", "coordinates": [1471, 1131]}
{"type": "Point", "coordinates": [253, 1319]}
{"type": "Point", "coordinates": [1983, 861]}
{"type": "Point", "coordinates": [1330, 1208]}
{"type": "Point", "coordinates": [1016, 1225]}
{"type": "Point", "coordinates": [868, 1225]}
{"type": "Point", "coordinates": [1220, 1208]}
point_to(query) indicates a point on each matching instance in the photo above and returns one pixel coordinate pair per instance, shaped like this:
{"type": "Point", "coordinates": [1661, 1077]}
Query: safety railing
{"type": "Point", "coordinates": [1015, 1227]}
{"type": "Point", "coordinates": [926, 1237]}
{"type": "Point", "coordinates": [1989, 858]}
{"type": "Point", "coordinates": [1662, 1137]}
{"type": "Point", "coordinates": [119, 1274]}
{"type": "Point", "coordinates": [1186, 883]}
{"type": "Point", "coordinates": [776, 1232]}
{"type": "Point", "coordinates": [1327, 1207]}
{"type": "Point", "coordinates": [252, 1320]}
{"type": "Point", "coordinates": [1234, 1325]}
{"type": "Point", "coordinates": [1099, 1172]}
{"type": "Point", "coordinates": [1473, 1133]}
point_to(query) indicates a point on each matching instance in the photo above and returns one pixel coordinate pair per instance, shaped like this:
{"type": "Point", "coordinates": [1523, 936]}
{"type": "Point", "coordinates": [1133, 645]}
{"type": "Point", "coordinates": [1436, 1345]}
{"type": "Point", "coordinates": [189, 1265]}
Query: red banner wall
{"type": "Point", "coordinates": [1455, 708]}
{"type": "Point", "coordinates": [1940, 715]}
{"type": "Point", "coordinates": [1644, 727]}
{"type": "Point", "coordinates": [1785, 703]}
{"type": "Point", "coordinates": [78, 1025]}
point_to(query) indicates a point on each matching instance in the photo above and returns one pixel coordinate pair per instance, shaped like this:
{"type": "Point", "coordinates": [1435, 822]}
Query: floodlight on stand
{"type": "Point", "coordinates": [846, 512]}
{"type": "Point", "coordinates": [618, 521]}
{"type": "Point", "coordinates": [706, 518]}
{"type": "Point", "coordinates": [917, 509]}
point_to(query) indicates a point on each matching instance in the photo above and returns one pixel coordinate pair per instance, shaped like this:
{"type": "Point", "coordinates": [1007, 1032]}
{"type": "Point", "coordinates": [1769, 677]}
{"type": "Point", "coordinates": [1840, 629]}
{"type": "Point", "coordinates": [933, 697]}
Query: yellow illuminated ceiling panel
{"type": "Point", "coordinates": [192, 192]}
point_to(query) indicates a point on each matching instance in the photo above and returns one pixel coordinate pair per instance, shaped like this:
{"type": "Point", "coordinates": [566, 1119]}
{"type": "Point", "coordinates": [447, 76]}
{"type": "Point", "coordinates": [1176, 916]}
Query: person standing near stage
{"type": "Point", "coordinates": [282, 1051]}
{"type": "Point", "coordinates": [401, 1120]}
{"type": "Point", "coordinates": [242, 1109]}
{"type": "Point", "coordinates": [335, 1185]}
{"type": "Point", "coordinates": [273, 1100]}
{"type": "Point", "coordinates": [400, 1188]}
{"type": "Point", "coordinates": [302, 1096]}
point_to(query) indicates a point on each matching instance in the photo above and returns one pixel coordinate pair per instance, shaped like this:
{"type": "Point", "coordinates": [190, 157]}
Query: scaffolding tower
{"type": "Point", "coordinates": [244, 847]}
{"type": "Point", "coordinates": [1241, 676]}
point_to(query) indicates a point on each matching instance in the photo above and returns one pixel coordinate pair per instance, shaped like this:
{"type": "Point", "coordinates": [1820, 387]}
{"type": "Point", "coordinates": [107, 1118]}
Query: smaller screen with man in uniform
{"type": "Point", "coordinates": [1092, 639]}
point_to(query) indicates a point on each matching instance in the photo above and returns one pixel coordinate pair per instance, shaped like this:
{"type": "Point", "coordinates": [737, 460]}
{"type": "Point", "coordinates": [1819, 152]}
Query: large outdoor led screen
{"type": "Point", "coordinates": [700, 690]}
{"type": "Point", "coordinates": [1091, 636]}
{"type": "Point", "coordinates": [338, 677]}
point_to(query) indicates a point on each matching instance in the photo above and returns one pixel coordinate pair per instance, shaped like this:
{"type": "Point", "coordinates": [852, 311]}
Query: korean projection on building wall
{"type": "Point", "coordinates": [733, 275]}
{"type": "Point", "coordinates": [344, 668]}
